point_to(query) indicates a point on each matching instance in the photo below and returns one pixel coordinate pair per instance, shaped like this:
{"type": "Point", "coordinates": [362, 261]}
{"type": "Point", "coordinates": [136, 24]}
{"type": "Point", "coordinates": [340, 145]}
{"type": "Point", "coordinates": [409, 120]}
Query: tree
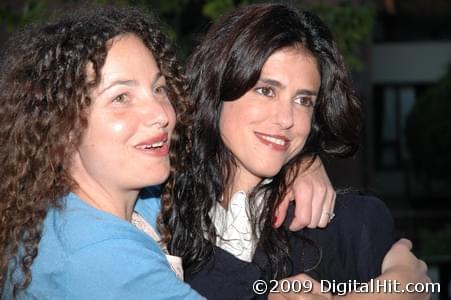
{"type": "Point", "coordinates": [350, 21]}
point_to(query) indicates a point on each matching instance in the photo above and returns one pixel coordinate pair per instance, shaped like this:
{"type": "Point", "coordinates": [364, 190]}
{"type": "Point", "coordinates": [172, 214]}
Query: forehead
{"type": "Point", "coordinates": [288, 54]}
{"type": "Point", "coordinates": [295, 65]}
{"type": "Point", "coordinates": [125, 52]}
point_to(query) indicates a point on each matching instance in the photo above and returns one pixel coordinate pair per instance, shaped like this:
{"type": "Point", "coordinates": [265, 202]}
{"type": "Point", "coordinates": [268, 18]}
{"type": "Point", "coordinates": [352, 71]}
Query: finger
{"type": "Point", "coordinates": [326, 218]}
{"type": "Point", "coordinates": [403, 242]}
{"type": "Point", "coordinates": [281, 210]}
{"type": "Point", "coordinates": [303, 209]}
{"type": "Point", "coordinates": [320, 205]}
{"type": "Point", "coordinates": [334, 199]}
{"type": "Point", "coordinates": [399, 254]}
{"type": "Point", "coordinates": [422, 266]}
{"type": "Point", "coordinates": [329, 206]}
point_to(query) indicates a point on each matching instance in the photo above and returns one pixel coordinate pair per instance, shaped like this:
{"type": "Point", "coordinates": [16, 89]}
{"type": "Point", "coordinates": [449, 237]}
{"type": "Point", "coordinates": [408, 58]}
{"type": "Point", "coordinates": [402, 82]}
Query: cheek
{"type": "Point", "coordinates": [226, 121]}
{"type": "Point", "coordinates": [110, 129]}
{"type": "Point", "coordinates": [170, 112]}
{"type": "Point", "coordinates": [303, 128]}
{"type": "Point", "coordinates": [117, 127]}
{"type": "Point", "coordinates": [304, 125]}
{"type": "Point", "coordinates": [240, 114]}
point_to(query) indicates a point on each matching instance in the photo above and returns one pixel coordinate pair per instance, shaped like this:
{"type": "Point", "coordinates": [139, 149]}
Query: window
{"type": "Point", "coordinates": [393, 104]}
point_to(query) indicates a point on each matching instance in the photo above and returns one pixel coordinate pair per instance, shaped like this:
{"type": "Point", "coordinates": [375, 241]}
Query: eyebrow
{"type": "Point", "coordinates": [130, 82]}
{"type": "Point", "coordinates": [278, 84]}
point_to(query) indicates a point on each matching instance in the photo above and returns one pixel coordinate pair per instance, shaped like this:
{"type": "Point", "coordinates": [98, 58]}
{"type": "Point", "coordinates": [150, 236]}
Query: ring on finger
{"type": "Point", "coordinates": [331, 215]}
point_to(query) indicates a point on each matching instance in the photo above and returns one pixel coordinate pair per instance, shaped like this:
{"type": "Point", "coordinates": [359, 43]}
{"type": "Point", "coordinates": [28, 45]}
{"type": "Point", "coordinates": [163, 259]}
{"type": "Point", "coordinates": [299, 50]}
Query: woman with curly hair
{"type": "Point", "coordinates": [270, 90]}
{"type": "Point", "coordinates": [87, 117]}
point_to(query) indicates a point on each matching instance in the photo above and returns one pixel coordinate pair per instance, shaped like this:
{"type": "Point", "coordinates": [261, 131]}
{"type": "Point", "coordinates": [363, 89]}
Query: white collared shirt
{"type": "Point", "coordinates": [233, 226]}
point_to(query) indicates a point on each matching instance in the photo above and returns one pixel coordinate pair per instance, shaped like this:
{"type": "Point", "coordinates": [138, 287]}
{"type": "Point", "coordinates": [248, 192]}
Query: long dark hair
{"type": "Point", "coordinates": [44, 101]}
{"type": "Point", "coordinates": [223, 68]}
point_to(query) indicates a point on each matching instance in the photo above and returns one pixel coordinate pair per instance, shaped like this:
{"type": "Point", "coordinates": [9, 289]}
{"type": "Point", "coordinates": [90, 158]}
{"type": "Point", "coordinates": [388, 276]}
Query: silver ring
{"type": "Point", "coordinates": [331, 215]}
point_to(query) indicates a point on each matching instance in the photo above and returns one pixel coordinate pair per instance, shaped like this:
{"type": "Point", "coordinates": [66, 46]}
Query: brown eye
{"type": "Point", "coordinates": [265, 91]}
{"type": "Point", "coordinates": [304, 101]}
{"type": "Point", "coordinates": [122, 98]}
{"type": "Point", "coordinates": [161, 90]}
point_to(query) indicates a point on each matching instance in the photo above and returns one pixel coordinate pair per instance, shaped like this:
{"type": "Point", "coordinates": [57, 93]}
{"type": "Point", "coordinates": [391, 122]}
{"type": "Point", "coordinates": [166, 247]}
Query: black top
{"type": "Point", "coordinates": [351, 247]}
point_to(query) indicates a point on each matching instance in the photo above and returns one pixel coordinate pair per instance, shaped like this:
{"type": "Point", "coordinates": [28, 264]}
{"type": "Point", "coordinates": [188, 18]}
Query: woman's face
{"type": "Point", "coordinates": [269, 124]}
{"type": "Point", "coordinates": [130, 122]}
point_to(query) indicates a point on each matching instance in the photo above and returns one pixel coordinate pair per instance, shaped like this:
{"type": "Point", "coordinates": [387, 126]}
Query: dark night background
{"type": "Point", "coordinates": [399, 52]}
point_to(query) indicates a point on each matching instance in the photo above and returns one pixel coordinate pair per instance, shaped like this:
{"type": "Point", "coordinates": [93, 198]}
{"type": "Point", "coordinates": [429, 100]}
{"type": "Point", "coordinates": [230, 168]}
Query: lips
{"type": "Point", "coordinates": [275, 142]}
{"type": "Point", "coordinates": [156, 146]}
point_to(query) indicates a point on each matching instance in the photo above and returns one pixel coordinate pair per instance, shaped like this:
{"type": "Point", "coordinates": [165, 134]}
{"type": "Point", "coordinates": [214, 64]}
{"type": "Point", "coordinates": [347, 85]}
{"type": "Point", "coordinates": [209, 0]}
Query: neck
{"type": "Point", "coordinates": [116, 201]}
{"type": "Point", "coordinates": [120, 205]}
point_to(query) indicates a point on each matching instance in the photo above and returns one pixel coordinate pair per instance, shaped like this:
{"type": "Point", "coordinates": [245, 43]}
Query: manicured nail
{"type": "Point", "coordinates": [274, 220]}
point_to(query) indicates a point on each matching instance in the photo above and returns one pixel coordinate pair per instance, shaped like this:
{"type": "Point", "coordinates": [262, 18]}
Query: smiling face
{"type": "Point", "coordinates": [130, 122]}
{"type": "Point", "coordinates": [270, 123]}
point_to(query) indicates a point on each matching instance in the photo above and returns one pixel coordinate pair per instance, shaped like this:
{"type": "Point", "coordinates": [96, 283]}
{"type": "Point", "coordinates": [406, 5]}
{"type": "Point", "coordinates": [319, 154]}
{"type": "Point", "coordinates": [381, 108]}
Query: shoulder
{"type": "Point", "coordinates": [365, 228]}
{"type": "Point", "coordinates": [360, 202]}
{"type": "Point", "coordinates": [361, 219]}
{"type": "Point", "coordinates": [364, 210]}
{"type": "Point", "coordinates": [124, 269]}
{"type": "Point", "coordinates": [355, 242]}
{"type": "Point", "coordinates": [88, 253]}
{"type": "Point", "coordinates": [78, 225]}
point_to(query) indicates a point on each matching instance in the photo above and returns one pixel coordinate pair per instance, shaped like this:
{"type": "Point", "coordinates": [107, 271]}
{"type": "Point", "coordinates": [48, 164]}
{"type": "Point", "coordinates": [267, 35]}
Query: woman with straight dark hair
{"type": "Point", "coordinates": [269, 91]}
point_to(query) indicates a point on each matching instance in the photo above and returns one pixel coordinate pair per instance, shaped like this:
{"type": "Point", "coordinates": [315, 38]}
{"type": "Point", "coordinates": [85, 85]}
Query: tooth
{"type": "Point", "coordinates": [274, 140]}
{"type": "Point", "coordinates": [159, 144]}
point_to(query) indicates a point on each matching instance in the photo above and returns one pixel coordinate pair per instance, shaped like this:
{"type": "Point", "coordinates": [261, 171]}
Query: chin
{"type": "Point", "coordinates": [268, 172]}
{"type": "Point", "coordinates": [155, 178]}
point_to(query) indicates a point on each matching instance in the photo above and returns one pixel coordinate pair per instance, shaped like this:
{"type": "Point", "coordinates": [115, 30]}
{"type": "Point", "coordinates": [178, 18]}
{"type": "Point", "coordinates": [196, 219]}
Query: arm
{"type": "Point", "coordinates": [399, 264]}
{"type": "Point", "coordinates": [123, 269]}
{"type": "Point", "coordinates": [314, 196]}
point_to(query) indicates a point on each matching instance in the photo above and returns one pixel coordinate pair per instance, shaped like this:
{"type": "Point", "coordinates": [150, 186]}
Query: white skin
{"type": "Point", "coordinates": [129, 113]}
{"type": "Point", "coordinates": [129, 110]}
{"type": "Point", "coordinates": [314, 196]}
{"type": "Point", "coordinates": [312, 190]}
{"type": "Point", "coordinates": [269, 125]}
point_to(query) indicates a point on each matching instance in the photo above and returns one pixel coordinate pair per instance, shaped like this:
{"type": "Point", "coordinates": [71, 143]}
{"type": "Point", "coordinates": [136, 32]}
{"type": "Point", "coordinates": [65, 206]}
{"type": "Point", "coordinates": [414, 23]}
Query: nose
{"type": "Point", "coordinates": [283, 114]}
{"type": "Point", "coordinates": [157, 113]}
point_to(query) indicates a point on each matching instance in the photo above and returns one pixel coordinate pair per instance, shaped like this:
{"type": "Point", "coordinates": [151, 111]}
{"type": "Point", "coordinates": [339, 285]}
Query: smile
{"type": "Point", "coordinates": [151, 146]}
{"type": "Point", "coordinates": [156, 146]}
{"type": "Point", "coordinates": [276, 142]}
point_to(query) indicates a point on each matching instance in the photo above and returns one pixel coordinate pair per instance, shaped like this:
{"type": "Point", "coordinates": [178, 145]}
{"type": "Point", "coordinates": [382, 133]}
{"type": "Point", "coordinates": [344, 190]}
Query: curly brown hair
{"type": "Point", "coordinates": [43, 113]}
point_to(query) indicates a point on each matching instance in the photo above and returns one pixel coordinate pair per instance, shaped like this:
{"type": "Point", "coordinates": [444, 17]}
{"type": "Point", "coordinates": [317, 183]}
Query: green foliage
{"type": "Point", "coordinates": [173, 6]}
{"type": "Point", "coordinates": [428, 131]}
{"type": "Point", "coordinates": [31, 11]}
{"type": "Point", "coordinates": [216, 8]}
{"type": "Point", "coordinates": [350, 24]}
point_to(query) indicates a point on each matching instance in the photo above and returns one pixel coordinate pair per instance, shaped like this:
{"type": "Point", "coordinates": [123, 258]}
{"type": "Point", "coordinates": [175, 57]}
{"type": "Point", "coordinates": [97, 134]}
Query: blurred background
{"type": "Point", "coordinates": [399, 53]}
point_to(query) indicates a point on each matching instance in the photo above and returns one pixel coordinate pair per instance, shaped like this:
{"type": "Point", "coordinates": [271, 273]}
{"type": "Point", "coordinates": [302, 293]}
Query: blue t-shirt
{"type": "Point", "coordinates": [86, 253]}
